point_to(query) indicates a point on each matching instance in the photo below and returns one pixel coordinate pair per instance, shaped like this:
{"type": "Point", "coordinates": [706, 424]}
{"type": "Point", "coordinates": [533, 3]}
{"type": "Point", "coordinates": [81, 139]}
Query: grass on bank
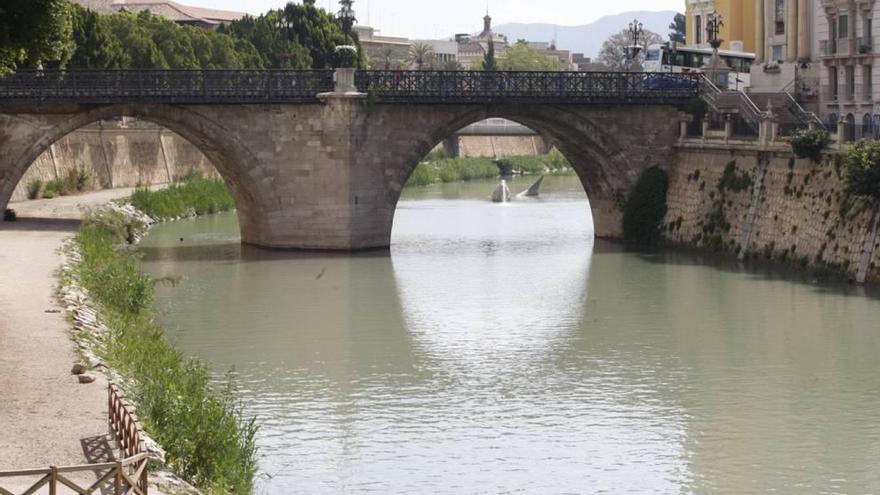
{"type": "Point", "coordinates": [438, 167]}
{"type": "Point", "coordinates": [203, 429]}
{"type": "Point", "coordinates": [194, 195]}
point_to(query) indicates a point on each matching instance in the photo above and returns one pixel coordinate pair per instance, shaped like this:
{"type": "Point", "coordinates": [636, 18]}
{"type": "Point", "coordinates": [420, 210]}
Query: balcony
{"type": "Point", "coordinates": [847, 94]}
{"type": "Point", "coordinates": [845, 47]}
{"type": "Point", "coordinates": [865, 45]}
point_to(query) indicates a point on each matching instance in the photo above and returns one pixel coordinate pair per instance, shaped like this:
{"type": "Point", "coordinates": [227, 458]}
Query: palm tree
{"type": "Point", "coordinates": [387, 57]}
{"type": "Point", "coordinates": [420, 54]}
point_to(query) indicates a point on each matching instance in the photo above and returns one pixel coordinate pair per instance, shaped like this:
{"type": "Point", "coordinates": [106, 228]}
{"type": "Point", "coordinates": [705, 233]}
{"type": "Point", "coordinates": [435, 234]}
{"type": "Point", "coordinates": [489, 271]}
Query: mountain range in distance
{"type": "Point", "coordinates": [587, 39]}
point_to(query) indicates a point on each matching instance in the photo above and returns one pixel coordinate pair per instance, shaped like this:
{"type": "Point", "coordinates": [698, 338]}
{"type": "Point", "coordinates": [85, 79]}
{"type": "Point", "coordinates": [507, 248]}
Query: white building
{"type": "Point", "coordinates": [848, 64]}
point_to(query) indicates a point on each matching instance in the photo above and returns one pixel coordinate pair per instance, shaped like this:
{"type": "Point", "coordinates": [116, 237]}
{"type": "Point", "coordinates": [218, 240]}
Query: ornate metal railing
{"type": "Point", "coordinates": [292, 86]}
{"type": "Point", "coordinates": [166, 86]}
{"type": "Point", "coordinates": [537, 87]}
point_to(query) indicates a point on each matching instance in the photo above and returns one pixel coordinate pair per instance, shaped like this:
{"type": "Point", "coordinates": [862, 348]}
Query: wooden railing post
{"type": "Point", "coordinates": [53, 480]}
{"type": "Point", "coordinates": [117, 479]}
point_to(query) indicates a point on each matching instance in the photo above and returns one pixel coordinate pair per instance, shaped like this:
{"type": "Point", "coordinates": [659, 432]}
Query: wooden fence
{"type": "Point", "coordinates": [125, 477]}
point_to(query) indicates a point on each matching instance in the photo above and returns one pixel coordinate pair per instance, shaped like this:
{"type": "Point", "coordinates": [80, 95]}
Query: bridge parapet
{"type": "Point", "coordinates": [261, 86]}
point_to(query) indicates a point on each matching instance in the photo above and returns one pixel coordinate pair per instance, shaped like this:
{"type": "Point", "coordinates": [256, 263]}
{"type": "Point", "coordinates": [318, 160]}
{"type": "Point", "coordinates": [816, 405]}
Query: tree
{"type": "Point", "coordinates": [613, 52]}
{"type": "Point", "coordinates": [678, 29]}
{"type": "Point", "coordinates": [96, 47]}
{"type": "Point", "coordinates": [421, 55]}
{"type": "Point", "coordinates": [523, 57]}
{"type": "Point", "coordinates": [489, 62]}
{"type": "Point", "coordinates": [33, 31]}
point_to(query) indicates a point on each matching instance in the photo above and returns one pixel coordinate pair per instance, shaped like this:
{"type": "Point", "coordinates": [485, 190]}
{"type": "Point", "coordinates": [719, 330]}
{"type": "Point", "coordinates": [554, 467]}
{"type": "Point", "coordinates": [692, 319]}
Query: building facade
{"type": "Point", "coordinates": [848, 65]}
{"type": "Point", "coordinates": [173, 11]}
{"type": "Point", "coordinates": [739, 27]}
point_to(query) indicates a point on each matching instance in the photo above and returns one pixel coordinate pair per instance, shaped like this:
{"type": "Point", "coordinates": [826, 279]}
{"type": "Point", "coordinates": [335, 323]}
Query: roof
{"type": "Point", "coordinates": [174, 11]}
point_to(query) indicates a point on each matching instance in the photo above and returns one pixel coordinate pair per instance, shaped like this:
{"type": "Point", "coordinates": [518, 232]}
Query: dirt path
{"type": "Point", "coordinates": [45, 415]}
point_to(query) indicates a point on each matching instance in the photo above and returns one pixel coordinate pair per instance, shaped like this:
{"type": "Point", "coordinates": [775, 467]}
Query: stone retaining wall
{"type": "Point", "coordinates": [118, 154]}
{"type": "Point", "coordinates": [763, 203]}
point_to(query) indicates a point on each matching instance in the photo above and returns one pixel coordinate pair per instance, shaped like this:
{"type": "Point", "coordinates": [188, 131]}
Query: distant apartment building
{"type": "Point", "coordinates": [848, 63]}
{"type": "Point", "coordinates": [564, 57]}
{"type": "Point", "coordinates": [173, 11]}
{"type": "Point", "coordinates": [384, 52]}
{"type": "Point", "coordinates": [739, 27]}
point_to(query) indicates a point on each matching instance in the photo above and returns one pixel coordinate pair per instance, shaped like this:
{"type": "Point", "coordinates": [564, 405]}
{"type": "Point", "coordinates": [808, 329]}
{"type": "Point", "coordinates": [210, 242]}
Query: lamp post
{"type": "Point", "coordinates": [713, 30]}
{"type": "Point", "coordinates": [632, 51]}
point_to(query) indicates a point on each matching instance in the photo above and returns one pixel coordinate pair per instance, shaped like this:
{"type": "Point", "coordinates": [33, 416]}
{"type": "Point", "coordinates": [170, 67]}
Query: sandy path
{"type": "Point", "coordinates": [44, 413]}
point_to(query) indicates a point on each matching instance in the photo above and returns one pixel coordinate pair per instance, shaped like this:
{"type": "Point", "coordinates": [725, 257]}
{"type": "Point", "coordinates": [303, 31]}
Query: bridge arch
{"type": "Point", "coordinates": [26, 136]}
{"type": "Point", "coordinates": [608, 147]}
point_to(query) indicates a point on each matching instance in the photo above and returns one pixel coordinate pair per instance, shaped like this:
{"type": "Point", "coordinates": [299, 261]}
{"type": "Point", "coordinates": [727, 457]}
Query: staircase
{"type": "Point", "coordinates": [751, 106]}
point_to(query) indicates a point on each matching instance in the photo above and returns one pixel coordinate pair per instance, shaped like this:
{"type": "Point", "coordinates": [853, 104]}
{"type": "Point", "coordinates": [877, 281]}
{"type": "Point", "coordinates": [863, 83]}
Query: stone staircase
{"type": "Point", "coordinates": [751, 106]}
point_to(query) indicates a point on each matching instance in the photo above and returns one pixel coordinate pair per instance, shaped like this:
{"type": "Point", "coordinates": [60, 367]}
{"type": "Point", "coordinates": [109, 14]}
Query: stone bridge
{"type": "Point", "coordinates": [318, 164]}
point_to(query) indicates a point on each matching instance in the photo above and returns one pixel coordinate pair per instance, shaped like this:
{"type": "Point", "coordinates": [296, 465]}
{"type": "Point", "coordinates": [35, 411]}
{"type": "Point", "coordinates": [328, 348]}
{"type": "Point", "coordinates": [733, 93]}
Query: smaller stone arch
{"type": "Point", "coordinates": [26, 136]}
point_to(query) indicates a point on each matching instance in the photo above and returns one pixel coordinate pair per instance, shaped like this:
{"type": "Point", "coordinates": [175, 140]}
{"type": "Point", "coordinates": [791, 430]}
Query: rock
{"type": "Point", "coordinates": [86, 378]}
{"type": "Point", "coordinates": [78, 369]}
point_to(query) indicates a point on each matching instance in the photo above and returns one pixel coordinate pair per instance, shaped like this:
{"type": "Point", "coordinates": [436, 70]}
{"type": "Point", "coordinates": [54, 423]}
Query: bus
{"type": "Point", "coordinates": [662, 58]}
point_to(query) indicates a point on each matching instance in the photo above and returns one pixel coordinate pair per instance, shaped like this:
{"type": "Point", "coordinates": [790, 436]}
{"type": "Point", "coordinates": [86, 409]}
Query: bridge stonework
{"type": "Point", "coordinates": [328, 175]}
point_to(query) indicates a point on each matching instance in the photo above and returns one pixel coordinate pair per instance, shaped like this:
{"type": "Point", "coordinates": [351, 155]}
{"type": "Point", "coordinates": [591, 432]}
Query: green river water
{"type": "Point", "coordinates": [500, 349]}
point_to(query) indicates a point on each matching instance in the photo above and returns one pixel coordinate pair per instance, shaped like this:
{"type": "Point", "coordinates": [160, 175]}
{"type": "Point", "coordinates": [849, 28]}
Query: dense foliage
{"type": "Point", "coordinates": [58, 33]}
{"type": "Point", "coordinates": [862, 165]}
{"type": "Point", "coordinates": [34, 31]}
{"type": "Point", "coordinates": [810, 143]}
{"type": "Point", "coordinates": [193, 196]}
{"type": "Point", "coordinates": [523, 57]}
{"type": "Point", "coordinates": [645, 208]}
{"type": "Point", "coordinates": [438, 167]}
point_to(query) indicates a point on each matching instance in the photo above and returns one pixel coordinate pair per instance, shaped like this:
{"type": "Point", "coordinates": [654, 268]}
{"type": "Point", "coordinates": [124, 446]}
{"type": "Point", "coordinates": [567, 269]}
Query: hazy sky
{"type": "Point", "coordinates": [441, 18]}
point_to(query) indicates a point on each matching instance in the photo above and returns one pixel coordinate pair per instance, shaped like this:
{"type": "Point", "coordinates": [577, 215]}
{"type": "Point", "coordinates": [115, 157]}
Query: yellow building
{"type": "Point", "coordinates": [738, 16]}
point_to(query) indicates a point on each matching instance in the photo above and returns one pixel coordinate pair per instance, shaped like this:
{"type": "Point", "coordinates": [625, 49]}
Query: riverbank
{"type": "Point", "coordinates": [48, 418]}
{"type": "Point", "coordinates": [200, 426]}
{"type": "Point", "coordinates": [439, 168]}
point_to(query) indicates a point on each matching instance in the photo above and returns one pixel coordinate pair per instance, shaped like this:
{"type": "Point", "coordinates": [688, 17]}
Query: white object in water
{"type": "Point", "coordinates": [501, 193]}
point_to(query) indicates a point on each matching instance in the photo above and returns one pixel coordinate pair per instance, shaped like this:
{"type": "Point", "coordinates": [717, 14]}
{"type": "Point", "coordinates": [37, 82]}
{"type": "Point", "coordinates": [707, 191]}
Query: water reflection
{"type": "Point", "coordinates": [498, 348]}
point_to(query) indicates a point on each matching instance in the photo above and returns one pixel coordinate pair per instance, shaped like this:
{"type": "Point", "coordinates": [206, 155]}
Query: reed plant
{"type": "Point", "coordinates": [193, 195]}
{"type": "Point", "coordinates": [207, 438]}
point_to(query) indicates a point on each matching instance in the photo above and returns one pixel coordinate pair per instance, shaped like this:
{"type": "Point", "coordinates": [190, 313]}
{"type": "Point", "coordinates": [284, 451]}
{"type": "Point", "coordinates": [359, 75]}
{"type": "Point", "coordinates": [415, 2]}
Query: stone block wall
{"type": "Point", "coordinates": [501, 146]}
{"type": "Point", "coordinates": [763, 203]}
{"type": "Point", "coordinates": [118, 155]}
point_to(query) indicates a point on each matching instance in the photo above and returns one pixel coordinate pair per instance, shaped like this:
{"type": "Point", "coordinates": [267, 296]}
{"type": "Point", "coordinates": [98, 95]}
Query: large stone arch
{"type": "Point", "coordinates": [608, 147]}
{"type": "Point", "coordinates": [23, 137]}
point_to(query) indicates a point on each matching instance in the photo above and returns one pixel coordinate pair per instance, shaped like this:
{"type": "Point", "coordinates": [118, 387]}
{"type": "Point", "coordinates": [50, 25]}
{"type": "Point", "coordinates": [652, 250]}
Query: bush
{"type": "Point", "coordinates": [52, 189]}
{"type": "Point", "coordinates": [346, 56]}
{"type": "Point", "coordinates": [810, 143]}
{"type": "Point", "coordinates": [203, 429]}
{"type": "Point", "coordinates": [645, 208]}
{"type": "Point", "coordinates": [194, 196]}
{"type": "Point", "coordinates": [435, 155]}
{"type": "Point", "coordinates": [34, 188]}
{"type": "Point", "coordinates": [9, 215]}
{"type": "Point", "coordinates": [423, 175]}
{"type": "Point", "coordinates": [75, 180]}
{"type": "Point", "coordinates": [862, 169]}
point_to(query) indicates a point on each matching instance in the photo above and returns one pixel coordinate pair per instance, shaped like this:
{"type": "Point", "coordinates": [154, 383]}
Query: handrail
{"type": "Point", "coordinates": [802, 112]}
{"type": "Point", "coordinates": [128, 476]}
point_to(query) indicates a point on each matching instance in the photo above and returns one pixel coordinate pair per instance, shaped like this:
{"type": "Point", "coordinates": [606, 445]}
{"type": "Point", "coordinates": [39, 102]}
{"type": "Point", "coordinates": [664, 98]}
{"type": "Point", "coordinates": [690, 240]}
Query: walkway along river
{"type": "Point", "coordinates": [499, 348]}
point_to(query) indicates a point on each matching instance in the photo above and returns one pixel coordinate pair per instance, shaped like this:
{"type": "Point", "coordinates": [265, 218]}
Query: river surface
{"type": "Point", "coordinates": [499, 349]}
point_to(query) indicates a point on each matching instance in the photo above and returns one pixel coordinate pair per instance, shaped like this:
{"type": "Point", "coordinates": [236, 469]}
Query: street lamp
{"type": "Point", "coordinates": [632, 51]}
{"type": "Point", "coordinates": [713, 29]}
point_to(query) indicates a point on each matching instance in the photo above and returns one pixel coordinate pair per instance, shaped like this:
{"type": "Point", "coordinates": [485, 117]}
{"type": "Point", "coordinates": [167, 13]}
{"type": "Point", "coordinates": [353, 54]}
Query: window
{"type": "Point", "coordinates": [868, 81]}
{"type": "Point", "coordinates": [777, 53]}
{"type": "Point", "coordinates": [698, 30]}
{"type": "Point", "coordinates": [779, 12]}
{"type": "Point", "coordinates": [842, 26]}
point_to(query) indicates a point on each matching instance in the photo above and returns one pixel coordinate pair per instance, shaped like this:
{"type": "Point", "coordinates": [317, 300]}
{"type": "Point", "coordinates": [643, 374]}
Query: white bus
{"type": "Point", "coordinates": [662, 58]}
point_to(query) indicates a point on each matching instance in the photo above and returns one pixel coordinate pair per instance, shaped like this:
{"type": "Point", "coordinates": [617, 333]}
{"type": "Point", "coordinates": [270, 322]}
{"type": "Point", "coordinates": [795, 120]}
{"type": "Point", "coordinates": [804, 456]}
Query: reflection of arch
{"type": "Point", "coordinates": [231, 157]}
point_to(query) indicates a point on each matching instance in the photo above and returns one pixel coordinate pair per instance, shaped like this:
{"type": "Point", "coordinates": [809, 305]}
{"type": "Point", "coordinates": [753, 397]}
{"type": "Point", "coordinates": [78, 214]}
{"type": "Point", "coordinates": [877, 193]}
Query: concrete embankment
{"type": "Point", "coordinates": [763, 203]}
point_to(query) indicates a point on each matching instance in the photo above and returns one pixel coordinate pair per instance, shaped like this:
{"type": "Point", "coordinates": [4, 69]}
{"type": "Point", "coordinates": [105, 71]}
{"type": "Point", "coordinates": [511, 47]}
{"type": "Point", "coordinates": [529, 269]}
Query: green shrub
{"type": "Point", "coordinates": [645, 208]}
{"type": "Point", "coordinates": [34, 188]}
{"type": "Point", "coordinates": [435, 155]}
{"type": "Point", "coordinates": [423, 175]}
{"type": "Point", "coordinates": [810, 143]}
{"type": "Point", "coordinates": [52, 189]}
{"type": "Point", "coordinates": [76, 180]}
{"type": "Point", "coordinates": [862, 169]}
{"type": "Point", "coordinates": [9, 215]}
{"type": "Point", "coordinates": [196, 195]}
{"type": "Point", "coordinates": [203, 430]}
